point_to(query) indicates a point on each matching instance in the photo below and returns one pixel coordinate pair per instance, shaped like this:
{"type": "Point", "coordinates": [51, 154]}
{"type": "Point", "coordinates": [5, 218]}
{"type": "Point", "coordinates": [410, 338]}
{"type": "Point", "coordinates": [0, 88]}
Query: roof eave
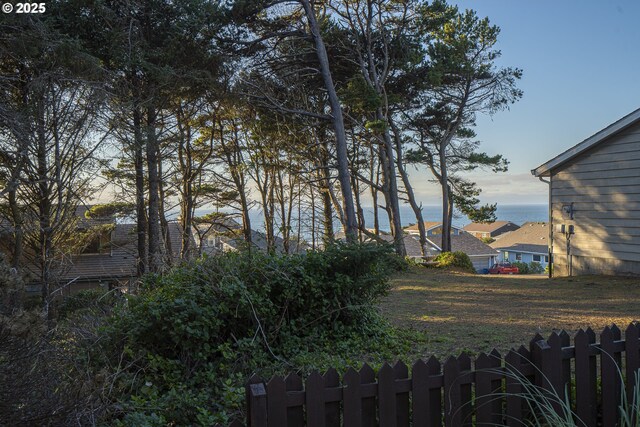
{"type": "Point", "coordinates": [628, 120]}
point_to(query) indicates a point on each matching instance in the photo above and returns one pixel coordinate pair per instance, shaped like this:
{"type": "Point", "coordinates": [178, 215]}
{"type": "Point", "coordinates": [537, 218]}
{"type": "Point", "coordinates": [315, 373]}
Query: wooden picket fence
{"type": "Point", "coordinates": [486, 392]}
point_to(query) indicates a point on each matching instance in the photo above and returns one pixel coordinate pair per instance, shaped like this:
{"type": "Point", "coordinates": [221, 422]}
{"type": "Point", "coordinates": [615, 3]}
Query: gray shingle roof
{"type": "Point", "coordinates": [411, 244]}
{"type": "Point", "coordinates": [478, 227]}
{"type": "Point", "coordinates": [463, 242]}
{"type": "Point", "coordinates": [470, 245]}
{"type": "Point", "coordinates": [531, 237]}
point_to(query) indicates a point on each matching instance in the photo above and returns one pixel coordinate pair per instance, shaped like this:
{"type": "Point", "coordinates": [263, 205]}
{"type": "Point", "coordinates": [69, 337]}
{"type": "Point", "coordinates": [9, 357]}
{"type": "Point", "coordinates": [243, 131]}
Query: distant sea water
{"type": "Point", "coordinates": [518, 214]}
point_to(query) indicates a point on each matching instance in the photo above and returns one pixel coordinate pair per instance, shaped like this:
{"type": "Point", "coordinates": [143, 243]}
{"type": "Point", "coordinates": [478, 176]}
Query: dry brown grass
{"type": "Point", "coordinates": [462, 312]}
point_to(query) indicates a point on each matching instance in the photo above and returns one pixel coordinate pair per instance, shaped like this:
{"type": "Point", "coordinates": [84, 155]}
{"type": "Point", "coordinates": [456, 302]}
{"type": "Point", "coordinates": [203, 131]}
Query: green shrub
{"type": "Point", "coordinates": [455, 259]}
{"type": "Point", "coordinates": [95, 301]}
{"type": "Point", "coordinates": [530, 268]}
{"type": "Point", "coordinates": [192, 337]}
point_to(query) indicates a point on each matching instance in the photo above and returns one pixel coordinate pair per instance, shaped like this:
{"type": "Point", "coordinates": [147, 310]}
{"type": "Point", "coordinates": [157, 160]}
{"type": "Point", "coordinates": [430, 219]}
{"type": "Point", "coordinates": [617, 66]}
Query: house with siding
{"type": "Point", "coordinates": [483, 230]}
{"type": "Point", "coordinates": [527, 244]}
{"type": "Point", "coordinates": [594, 199]}
{"type": "Point", "coordinates": [482, 256]}
{"type": "Point", "coordinates": [108, 258]}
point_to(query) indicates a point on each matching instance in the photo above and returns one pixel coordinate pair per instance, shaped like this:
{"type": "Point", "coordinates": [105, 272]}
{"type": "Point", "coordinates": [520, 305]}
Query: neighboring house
{"type": "Point", "coordinates": [527, 244]}
{"type": "Point", "coordinates": [228, 236]}
{"type": "Point", "coordinates": [490, 230]}
{"type": "Point", "coordinates": [107, 259]}
{"type": "Point", "coordinates": [482, 256]}
{"type": "Point", "coordinates": [594, 197]}
{"type": "Point", "coordinates": [110, 260]}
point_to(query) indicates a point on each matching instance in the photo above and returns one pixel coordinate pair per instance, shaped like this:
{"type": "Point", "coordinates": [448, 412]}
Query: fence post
{"type": "Point", "coordinates": [257, 402]}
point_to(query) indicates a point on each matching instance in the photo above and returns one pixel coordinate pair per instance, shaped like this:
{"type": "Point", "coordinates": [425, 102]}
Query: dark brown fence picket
{"type": "Point", "coordinates": [516, 364]}
{"type": "Point", "coordinates": [332, 408]}
{"type": "Point", "coordinates": [489, 391]}
{"type": "Point", "coordinates": [427, 382]}
{"type": "Point", "coordinates": [610, 374]}
{"type": "Point", "coordinates": [314, 400]}
{"type": "Point", "coordinates": [351, 399]}
{"type": "Point", "coordinates": [452, 400]}
{"type": "Point", "coordinates": [586, 378]}
{"type": "Point", "coordinates": [386, 397]}
{"type": "Point", "coordinates": [295, 393]}
{"type": "Point", "coordinates": [632, 357]}
{"type": "Point", "coordinates": [466, 389]}
{"type": "Point", "coordinates": [402, 387]}
{"type": "Point", "coordinates": [368, 381]}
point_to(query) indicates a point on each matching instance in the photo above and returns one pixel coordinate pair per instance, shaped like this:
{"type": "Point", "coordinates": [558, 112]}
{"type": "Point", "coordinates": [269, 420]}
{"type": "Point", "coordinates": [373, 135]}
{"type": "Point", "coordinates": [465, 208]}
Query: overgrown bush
{"type": "Point", "coordinates": [93, 301]}
{"type": "Point", "coordinates": [192, 337]}
{"type": "Point", "coordinates": [528, 268]}
{"type": "Point", "coordinates": [457, 259]}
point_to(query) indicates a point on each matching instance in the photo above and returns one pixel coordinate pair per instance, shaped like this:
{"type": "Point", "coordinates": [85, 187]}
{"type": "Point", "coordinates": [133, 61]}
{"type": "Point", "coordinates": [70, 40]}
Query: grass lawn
{"type": "Point", "coordinates": [453, 312]}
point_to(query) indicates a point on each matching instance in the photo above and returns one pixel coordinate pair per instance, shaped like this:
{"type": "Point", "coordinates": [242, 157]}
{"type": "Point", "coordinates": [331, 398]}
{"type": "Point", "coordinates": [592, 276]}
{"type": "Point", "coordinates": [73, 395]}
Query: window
{"type": "Point", "coordinates": [518, 257]}
{"type": "Point", "coordinates": [536, 258]}
{"type": "Point", "coordinates": [546, 259]}
{"type": "Point", "coordinates": [99, 243]}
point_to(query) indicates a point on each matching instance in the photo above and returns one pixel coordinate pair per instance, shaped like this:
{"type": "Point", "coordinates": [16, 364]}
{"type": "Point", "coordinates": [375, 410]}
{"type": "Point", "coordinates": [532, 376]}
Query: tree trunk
{"type": "Point", "coordinates": [246, 220]}
{"type": "Point", "coordinates": [155, 254]}
{"type": "Point", "coordinates": [234, 158]}
{"type": "Point", "coordinates": [325, 194]}
{"type": "Point", "coordinates": [185, 160]}
{"type": "Point", "coordinates": [351, 225]}
{"type": "Point", "coordinates": [271, 234]}
{"type": "Point", "coordinates": [359, 211]}
{"type": "Point", "coordinates": [411, 198]}
{"type": "Point", "coordinates": [313, 218]}
{"type": "Point", "coordinates": [446, 217]}
{"type": "Point", "coordinates": [392, 199]}
{"type": "Point", "coordinates": [141, 212]}
{"type": "Point", "coordinates": [284, 218]}
{"type": "Point", "coordinates": [164, 224]}
{"type": "Point", "coordinates": [44, 209]}
{"type": "Point", "coordinates": [18, 233]}
{"type": "Point", "coordinates": [374, 176]}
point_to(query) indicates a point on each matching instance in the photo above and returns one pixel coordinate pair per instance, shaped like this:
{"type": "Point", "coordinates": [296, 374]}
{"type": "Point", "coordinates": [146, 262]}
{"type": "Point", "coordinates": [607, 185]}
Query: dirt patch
{"type": "Point", "coordinates": [473, 313]}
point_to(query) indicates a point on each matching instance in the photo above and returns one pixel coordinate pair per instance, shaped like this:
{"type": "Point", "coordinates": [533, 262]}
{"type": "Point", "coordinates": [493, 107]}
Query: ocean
{"type": "Point", "coordinates": [518, 214]}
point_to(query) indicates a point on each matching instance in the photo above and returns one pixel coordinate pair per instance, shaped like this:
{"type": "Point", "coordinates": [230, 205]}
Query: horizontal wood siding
{"type": "Point", "coordinates": [604, 186]}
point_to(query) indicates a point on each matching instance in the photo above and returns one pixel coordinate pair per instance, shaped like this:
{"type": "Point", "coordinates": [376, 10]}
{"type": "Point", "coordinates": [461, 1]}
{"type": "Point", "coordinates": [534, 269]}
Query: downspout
{"type": "Point", "coordinates": [550, 245]}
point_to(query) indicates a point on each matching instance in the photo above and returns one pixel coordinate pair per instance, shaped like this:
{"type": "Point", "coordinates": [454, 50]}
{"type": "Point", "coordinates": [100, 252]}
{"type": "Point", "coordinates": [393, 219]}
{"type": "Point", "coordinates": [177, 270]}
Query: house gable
{"type": "Point", "coordinates": [595, 203]}
{"type": "Point", "coordinates": [589, 143]}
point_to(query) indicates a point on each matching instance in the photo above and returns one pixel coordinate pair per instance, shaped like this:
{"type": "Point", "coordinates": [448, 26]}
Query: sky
{"type": "Point", "coordinates": [581, 64]}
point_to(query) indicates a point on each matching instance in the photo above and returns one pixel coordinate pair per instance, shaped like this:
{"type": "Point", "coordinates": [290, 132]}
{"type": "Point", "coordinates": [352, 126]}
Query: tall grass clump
{"type": "Point", "coordinates": [547, 408]}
